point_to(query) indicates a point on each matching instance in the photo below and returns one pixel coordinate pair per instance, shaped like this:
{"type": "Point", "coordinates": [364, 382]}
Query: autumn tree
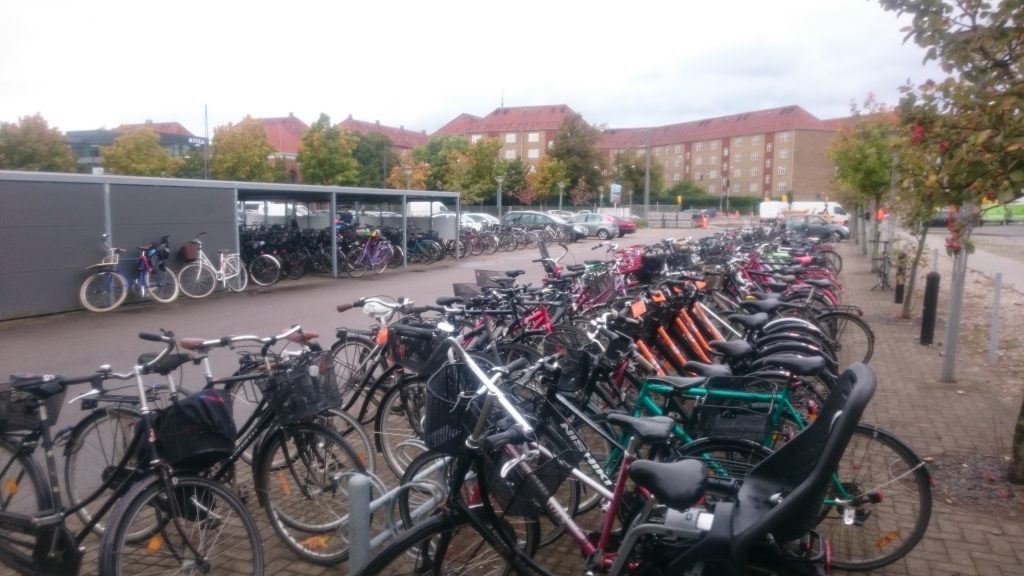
{"type": "Point", "coordinates": [631, 171]}
{"type": "Point", "coordinates": [325, 154]}
{"type": "Point", "coordinates": [575, 145]}
{"type": "Point", "coordinates": [515, 184]}
{"type": "Point", "coordinates": [376, 159]}
{"type": "Point", "coordinates": [195, 165]}
{"type": "Point", "coordinates": [472, 172]}
{"type": "Point", "coordinates": [137, 152]}
{"type": "Point", "coordinates": [442, 155]}
{"type": "Point", "coordinates": [970, 122]}
{"type": "Point", "coordinates": [417, 179]}
{"type": "Point", "coordinates": [543, 181]}
{"type": "Point", "coordinates": [242, 152]}
{"type": "Point", "coordinates": [30, 144]}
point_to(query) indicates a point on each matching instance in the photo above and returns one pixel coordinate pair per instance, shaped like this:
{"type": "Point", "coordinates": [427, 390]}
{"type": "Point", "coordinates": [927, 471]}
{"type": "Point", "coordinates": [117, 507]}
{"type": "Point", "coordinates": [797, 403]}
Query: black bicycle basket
{"type": "Point", "coordinates": [452, 410]}
{"type": "Point", "coordinates": [196, 432]}
{"type": "Point", "coordinates": [302, 387]}
{"type": "Point", "coordinates": [20, 410]}
{"type": "Point", "coordinates": [734, 418]}
{"type": "Point", "coordinates": [522, 493]}
{"type": "Point", "coordinates": [576, 363]}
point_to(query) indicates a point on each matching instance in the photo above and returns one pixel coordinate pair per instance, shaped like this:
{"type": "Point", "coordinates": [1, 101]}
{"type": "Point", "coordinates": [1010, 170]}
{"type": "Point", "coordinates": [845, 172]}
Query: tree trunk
{"type": "Point", "coordinates": [1016, 471]}
{"type": "Point", "coordinates": [908, 295]}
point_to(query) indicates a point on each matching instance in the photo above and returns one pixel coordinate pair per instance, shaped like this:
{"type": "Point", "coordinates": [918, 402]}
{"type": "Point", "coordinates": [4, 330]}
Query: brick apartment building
{"type": "Point", "coordinates": [285, 136]}
{"type": "Point", "coordinates": [402, 140]}
{"type": "Point", "coordinates": [525, 132]}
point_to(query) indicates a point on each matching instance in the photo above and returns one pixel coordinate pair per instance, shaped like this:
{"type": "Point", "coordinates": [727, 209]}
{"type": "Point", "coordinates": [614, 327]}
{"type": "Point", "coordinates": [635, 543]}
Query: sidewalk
{"type": "Point", "coordinates": [970, 419]}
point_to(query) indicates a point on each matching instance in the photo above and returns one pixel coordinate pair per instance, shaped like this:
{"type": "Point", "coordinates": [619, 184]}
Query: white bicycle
{"type": "Point", "coordinates": [199, 278]}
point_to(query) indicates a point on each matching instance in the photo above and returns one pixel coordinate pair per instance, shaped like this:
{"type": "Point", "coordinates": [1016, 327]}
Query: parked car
{"type": "Point", "coordinates": [482, 218]}
{"type": "Point", "coordinates": [626, 225]}
{"type": "Point", "coordinates": [814, 225]}
{"type": "Point", "coordinates": [466, 222]}
{"type": "Point", "coordinates": [601, 225]}
{"type": "Point", "coordinates": [563, 214]}
{"type": "Point", "coordinates": [537, 220]}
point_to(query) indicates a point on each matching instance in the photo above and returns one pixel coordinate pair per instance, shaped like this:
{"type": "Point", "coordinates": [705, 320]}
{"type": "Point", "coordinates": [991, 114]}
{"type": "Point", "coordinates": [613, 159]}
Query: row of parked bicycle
{"type": "Point", "coordinates": [271, 254]}
{"type": "Point", "coordinates": [503, 414]}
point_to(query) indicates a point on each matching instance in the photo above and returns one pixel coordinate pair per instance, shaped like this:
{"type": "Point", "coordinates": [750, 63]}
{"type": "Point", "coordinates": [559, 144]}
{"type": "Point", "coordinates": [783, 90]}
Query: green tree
{"type": "Point", "coordinates": [969, 123]}
{"type": "Point", "coordinates": [692, 194]}
{"type": "Point", "coordinates": [474, 171]}
{"type": "Point", "coordinates": [544, 180]}
{"type": "Point", "coordinates": [376, 159]}
{"type": "Point", "coordinates": [30, 144]}
{"type": "Point", "coordinates": [515, 184]}
{"type": "Point", "coordinates": [195, 165]}
{"type": "Point", "coordinates": [137, 152]}
{"type": "Point", "coordinates": [631, 169]}
{"type": "Point", "coordinates": [325, 155]}
{"type": "Point", "coordinates": [241, 152]}
{"type": "Point", "coordinates": [442, 155]}
{"type": "Point", "coordinates": [575, 145]}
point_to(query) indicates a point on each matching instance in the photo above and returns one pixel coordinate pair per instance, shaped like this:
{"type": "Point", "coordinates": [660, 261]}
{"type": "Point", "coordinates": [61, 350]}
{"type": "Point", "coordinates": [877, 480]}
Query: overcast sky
{"type": "Point", "coordinates": [418, 64]}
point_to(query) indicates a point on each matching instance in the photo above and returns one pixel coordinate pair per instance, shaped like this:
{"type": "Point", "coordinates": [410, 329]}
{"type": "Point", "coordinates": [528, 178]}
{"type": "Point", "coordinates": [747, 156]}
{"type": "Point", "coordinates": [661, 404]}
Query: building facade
{"type": "Point", "coordinates": [525, 132]}
{"type": "Point", "coordinates": [402, 140]}
{"type": "Point", "coordinates": [86, 144]}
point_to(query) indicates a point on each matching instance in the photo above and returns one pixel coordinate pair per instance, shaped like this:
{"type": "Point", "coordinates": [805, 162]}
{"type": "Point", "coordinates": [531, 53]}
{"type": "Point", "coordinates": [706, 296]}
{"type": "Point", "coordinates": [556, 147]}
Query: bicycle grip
{"type": "Point", "coordinates": [513, 435]}
{"type": "Point", "coordinates": [517, 364]}
{"type": "Point", "coordinates": [151, 337]}
{"type": "Point", "coordinates": [345, 307]}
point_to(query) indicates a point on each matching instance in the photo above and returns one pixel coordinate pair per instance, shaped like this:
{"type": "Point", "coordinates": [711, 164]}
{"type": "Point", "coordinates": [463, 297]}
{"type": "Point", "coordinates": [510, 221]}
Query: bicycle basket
{"type": "Point", "coordinates": [522, 493]}
{"type": "Point", "coordinates": [20, 410]}
{"type": "Point", "coordinates": [713, 277]}
{"type": "Point", "coordinates": [735, 418]}
{"type": "Point", "coordinates": [465, 290]}
{"type": "Point", "coordinates": [415, 353]}
{"type": "Point", "coordinates": [576, 362]}
{"type": "Point", "coordinates": [197, 431]}
{"type": "Point", "coordinates": [303, 387]}
{"type": "Point", "coordinates": [450, 416]}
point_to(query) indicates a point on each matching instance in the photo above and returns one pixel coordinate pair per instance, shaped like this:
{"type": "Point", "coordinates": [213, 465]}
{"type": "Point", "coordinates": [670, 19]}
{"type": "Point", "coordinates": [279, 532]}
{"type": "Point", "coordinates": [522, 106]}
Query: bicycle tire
{"type": "Point", "coordinates": [303, 470]}
{"type": "Point", "coordinates": [295, 264]}
{"type": "Point", "coordinates": [398, 425]}
{"type": "Point", "coordinates": [883, 531]}
{"type": "Point", "coordinates": [854, 341]}
{"type": "Point", "coordinates": [103, 291]}
{"type": "Point", "coordinates": [489, 244]}
{"type": "Point", "coordinates": [833, 260]}
{"type": "Point", "coordinates": [197, 280]}
{"type": "Point", "coordinates": [202, 505]}
{"type": "Point", "coordinates": [429, 546]}
{"type": "Point", "coordinates": [383, 258]}
{"type": "Point", "coordinates": [265, 270]}
{"type": "Point", "coordinates": [349, 355]}
{"type": "Point", "coordinates": [235, 276]}
{"type": "Point", "coordinates": [163, 285]}
{"type": "Point", "coordinates": [356, 264]}
{"type": "Point", "coordinates": [353, 432]}
{"type": "Point", "coordinates": [99, 443]}
{"type": "Point", "coordinates": [724, 458]}
{"type": "Point", "coordinates": [23, 490]}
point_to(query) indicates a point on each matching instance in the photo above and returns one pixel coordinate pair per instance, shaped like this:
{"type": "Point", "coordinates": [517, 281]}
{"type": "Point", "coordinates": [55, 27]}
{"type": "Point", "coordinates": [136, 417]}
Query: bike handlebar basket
{"type": "Point", "coordinates": [576, 361]}
{"type": "Point", "coordinates": [522, 492]}
{"type": "Point", "coordinates": [714, 276]}
{"type": "Point", "coordinates": [19, 411]}
{"type": "Point", "coordinates": [452, 408]}
{"type": "Point", "coordinates": [303, 387]}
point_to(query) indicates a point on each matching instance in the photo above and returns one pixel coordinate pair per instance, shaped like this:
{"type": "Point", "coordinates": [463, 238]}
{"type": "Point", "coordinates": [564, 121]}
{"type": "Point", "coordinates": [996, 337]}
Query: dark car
{"type": "Point", "coordinates": [537, 220]}
{"type": "Point", "coordinates": [814, 225]}
{"type": "Point", "coordinates": [940, 217]}
{"type": "Point", "coordinates": [626, 225]}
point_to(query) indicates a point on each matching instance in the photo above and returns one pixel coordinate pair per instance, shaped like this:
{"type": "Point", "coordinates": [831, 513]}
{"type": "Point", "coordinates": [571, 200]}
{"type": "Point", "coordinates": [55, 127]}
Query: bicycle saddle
{"type": "Point", "coordinates": [768, 305]}
{"type": "Point", "coordinates": [732, 349]}
{"type": "Point", "coordinates": [750, 321]}
{"type": "Point", "coordinates": [707, 370]}
{"type": "Point", "coordinates": [819, 282]}
{"type": "Point", "coordinates": [678, 484]}
{"type": "Point", "coordinates": [41, 386]}
{"type": "Point", "coordinates": [801, 365]}
{"type": "Point", "coordinates": [679, 383]}
{"type": "Point", "coordinates": [650, 429]}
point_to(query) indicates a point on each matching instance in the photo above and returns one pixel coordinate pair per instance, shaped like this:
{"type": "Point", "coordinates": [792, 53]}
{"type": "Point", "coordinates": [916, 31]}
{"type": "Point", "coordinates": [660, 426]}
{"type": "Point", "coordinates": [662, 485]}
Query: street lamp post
{"type": "Point", "coordinates": [647, 176]}
{"type": "Point", "coordinates": [499, 179]}
{"type": "Point", "coordinates": [408, 178]}
{"type": "Point", "coordinates": [561, 191]}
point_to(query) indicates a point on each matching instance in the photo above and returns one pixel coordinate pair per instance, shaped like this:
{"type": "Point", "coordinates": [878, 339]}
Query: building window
{"type": "Point", "coordinates": [698, 147]}
{"type": "Point", "coordinates": [713, 160]}
{"type": "Point", "coordinates": [755, 156]}
{"type": "Point", "coordinates": [699, 160]}
{"type": "Point", "coordinates": [768, 147]}
{"type": "Point", "coordinates": [780, 186]}
{"type": "Point", "coordinates": [700, 176]}
{"type": "Point", "coordinates": [510, 138]}
{"type": "Point", "coordinates": [783, 153]}
{"type": "Point", "coordinates": [712, 189]}
{"type": "Point", "coordinates": [533, 137]}
{"type": "Point", "coordinates": [686, 168]}
{"type": "Point", "coordinates": [510, 154]}
{"type": "Point", "coordinates": [782, 170]}
{"type": "Point", "coordinates": [550, 144]}
{"type": "Point", "coordinates": [737, 173]}
{"type": "Point", "coordinates": [737, 142]}
{"type": "Point", "coordinates": [475, 138]}
{"type": "Point", "coordinates": [784, 137]}
{"type": "Point", "coordinates": [675, 163]}
{"type": "Point", "coordinates": [755, 140]}
{"type": "Point", "coordinates": [533, 153]}
{"type": "Point", "coordinates": [755, 171]}
{"type": "Point", "coordinates": [754, 188]}
{"type": "Point", "coordinates": [737, 157]}
{"type": "Point", "coordinates": [768, 163]}
{"type": "Point", "coordinates": [677, 149]}
{"type": "Point", "coordinates": [675, 176]}
{"type": "Point", "coordinates": [687, 155]}
{"type": "Point", "coordinates": [714, 145]}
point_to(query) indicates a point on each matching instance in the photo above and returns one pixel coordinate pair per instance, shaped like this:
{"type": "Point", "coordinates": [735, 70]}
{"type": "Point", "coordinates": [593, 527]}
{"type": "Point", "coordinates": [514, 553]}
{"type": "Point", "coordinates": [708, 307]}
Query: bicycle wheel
{"type": "Point", "coordinates": [354, 366]}
{"type": "Point", "coordinates": [296, 265]}
{"type": "Point", "coordinates": [197, 280]}
{"type": "Point", "coordinates": [507, 242]}
{"type": "Point", "coordinates": [235, 275]}
{"type": "Point", "coordinates": [200, 527]}
{"type": "Point", "coordinates": [724, 458]}
{"type": "Point", "coordinates": [447, 545]}
{"type": "Point", "coordinates": [304, 470]}
{"type": "Point", "coordinates": [353, 432]}
{"type": "Point", "coordinates": [356, 263]}
{"type": "Point", "coordinates": [95, 447]}
{"type": "Point", "coordinates": [23, 490]}
{"type": "Point", "coordinates": [163, 285]}
{"type": "Point", "coordinates": [103, 291]}
{"type": "Point", "coordinates": [489, 244]}
{"type": "Point", "coordinates": [854, 340]}
{"type": "Point", "coordinates": [891, 490]}
{"type": "Point", "coordinates": [398, 426]}
{"type": "Point", "coordinates": [383, 258]}
{"type": "Point", "coordinates": [265, 270]}
{"type": "Point", "coordinates": [832, 260]}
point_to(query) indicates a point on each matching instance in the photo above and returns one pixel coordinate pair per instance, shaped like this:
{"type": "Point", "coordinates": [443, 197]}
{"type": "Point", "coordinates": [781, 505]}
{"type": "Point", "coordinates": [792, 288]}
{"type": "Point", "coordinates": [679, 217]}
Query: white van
{"type": "Point", "coordinates": [280, 213]}
{"type": "Point", "coordinates": [426, 208]}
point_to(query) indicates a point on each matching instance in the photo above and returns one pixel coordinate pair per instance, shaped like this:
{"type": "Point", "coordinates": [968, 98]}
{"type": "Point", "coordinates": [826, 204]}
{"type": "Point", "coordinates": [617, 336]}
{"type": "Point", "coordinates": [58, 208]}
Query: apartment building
{"type": "Point", "coordinates": [765, 154]}
{"type": "Point", "coordinates": [402, 140]}
{"type": "Point", "coordinates": [285, 136]}
{"type": "Point", "coordinates": [525, 132]}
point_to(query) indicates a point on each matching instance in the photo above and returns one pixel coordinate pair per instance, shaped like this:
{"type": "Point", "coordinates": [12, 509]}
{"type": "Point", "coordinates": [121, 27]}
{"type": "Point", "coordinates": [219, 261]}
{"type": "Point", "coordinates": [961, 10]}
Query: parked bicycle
{"type": "Point", "coordinates": [199, 278]}
{"type": "Point", "coordinates": [108, 287]}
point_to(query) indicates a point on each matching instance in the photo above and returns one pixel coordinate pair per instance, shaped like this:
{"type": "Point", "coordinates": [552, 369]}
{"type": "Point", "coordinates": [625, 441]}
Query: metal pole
{"type": "Point", "coordinates": [935, 260]}
{"type": "Point", "coordinates": [561, 191]}
{"type": "Point", "coordinates": [405, 230]}
{"type": "Point", "coordinates": [647, 176]}
{"type": "Point", "coordinates": [993, 346]}
{"type": "Point", "coordinates": [956, 298]}
{"type": "Point", "coordinates": [358, 522]}
{"type": "Point", "coordinates": [499, 180]}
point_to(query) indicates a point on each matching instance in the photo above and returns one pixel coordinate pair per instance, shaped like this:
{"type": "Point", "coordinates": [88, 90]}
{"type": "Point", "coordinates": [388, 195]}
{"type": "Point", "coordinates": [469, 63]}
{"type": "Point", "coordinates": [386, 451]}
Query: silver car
{"type": "Point", "coordinates": [603, 226]}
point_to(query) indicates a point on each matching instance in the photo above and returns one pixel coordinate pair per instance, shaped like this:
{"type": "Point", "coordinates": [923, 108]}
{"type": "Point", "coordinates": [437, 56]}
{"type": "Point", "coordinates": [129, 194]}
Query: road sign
{"type": "Point", "coordinates": [616, 190]}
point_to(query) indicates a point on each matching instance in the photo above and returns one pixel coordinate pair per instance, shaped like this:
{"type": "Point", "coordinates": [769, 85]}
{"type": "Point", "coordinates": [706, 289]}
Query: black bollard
{"type": "Point", "coordinates": [899, 293]}
{"type": "Point", "coordinates": [931, 305]}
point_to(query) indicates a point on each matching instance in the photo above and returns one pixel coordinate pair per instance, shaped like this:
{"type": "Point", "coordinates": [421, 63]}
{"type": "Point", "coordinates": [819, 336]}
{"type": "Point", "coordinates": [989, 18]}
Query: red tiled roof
{"type": "Point", "coordinates": [523, 118]}
{"type": "Point", "coordinates": [285, 133]}
{"type": "Point", "coordinates": [400, 137]}
{"type": "Point", "coordinates": [459, 126]}
{"type": "Point", "coordinates": [158, 127]}
{"type": "Point", "coordinates": [762, 121]}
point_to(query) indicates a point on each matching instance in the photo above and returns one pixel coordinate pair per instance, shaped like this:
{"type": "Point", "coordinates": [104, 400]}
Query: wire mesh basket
{"type": "Point", "coordinates": [576, 362]}
{"type": "Point", "coordinates": [452, 410]}
{"type": "Point", "coordinates": [20, 410]}
{"type": "Point", "coordinates": [303, 387]}
{"type": "Point", "coordinates": [727, 416]}
{"type": "Point", "coordinates": [465, 290]}
{"type": "Point", "coordinates": [524, 492]}
{"type": "Point", "coordinates": [714, 276]}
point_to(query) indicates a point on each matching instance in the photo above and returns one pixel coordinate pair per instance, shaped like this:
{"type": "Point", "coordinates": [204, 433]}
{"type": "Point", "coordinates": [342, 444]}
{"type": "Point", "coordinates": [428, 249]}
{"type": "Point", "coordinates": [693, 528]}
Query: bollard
{"type": "Point", "coordinates": [931, 306]}
{"type": "Point", "coordinates": [359, 497]}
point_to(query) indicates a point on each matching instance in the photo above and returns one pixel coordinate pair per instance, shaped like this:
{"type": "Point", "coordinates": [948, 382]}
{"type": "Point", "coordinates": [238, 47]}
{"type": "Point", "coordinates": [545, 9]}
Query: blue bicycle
{"type": "Point", "coordinates": [108, 287]}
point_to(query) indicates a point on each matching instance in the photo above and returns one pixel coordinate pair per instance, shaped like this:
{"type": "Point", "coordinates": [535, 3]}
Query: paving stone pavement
{"type": "Point", "coordinates": [934, 418]}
